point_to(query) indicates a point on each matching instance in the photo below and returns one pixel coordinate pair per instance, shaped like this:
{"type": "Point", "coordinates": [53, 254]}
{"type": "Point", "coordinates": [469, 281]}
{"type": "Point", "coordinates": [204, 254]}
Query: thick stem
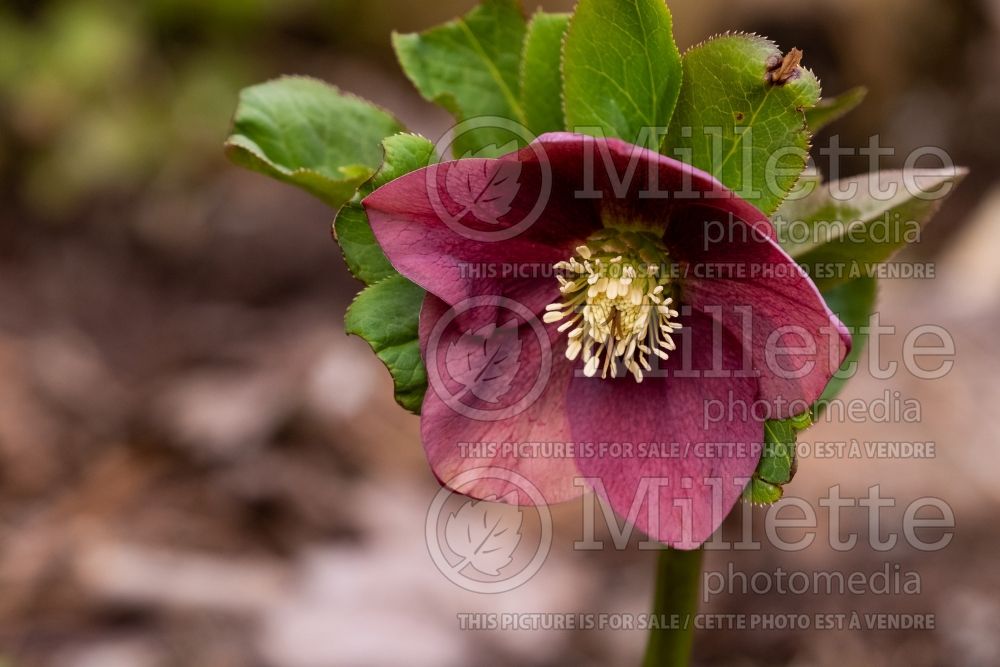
{"type": "Point", "coordinates": [675, 604]}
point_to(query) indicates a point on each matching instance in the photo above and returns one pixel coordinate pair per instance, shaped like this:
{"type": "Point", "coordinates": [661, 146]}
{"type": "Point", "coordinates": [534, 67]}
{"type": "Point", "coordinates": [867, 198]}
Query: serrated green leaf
{"type": "Point", "coordinates": [472, 67]}
{"type": "Point", "coordinates": [387, 312]}
{"type": "Point", "coordinates": [801, 422]}
{"type": "Point", "coordinates": [853, 302]}
{"type": "Point", "coordinates": [832, 109]}
{"type": "Point", "coordinates": [541, 74]}
{"type": "Point", "coordinates": [622, 70]}
{"type": "Point", "coordinates": [844, 230]}
{"type": "Point", "coordinates": [387, 316]}
{"type": "Point", "coordinates": [779, 452]}
{"type": "Point", "coordinates": [760, 492]}
{"type": "Point", "coordinates": [403, 153]}
{"type": "Point", "coordinates": [777, 463]}
{"type": "Point", "coordinates": [734, 124]}
{"type": "Point", "coordinates": [309, 134]}
{"type": "Point", "coordinates": [362, 253]}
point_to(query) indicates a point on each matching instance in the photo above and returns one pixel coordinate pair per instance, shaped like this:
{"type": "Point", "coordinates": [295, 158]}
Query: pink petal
{"type": "Point", "coordinates": [632, 184]}
{"type": "Point", "coordinates": [750, 285]}
{"type": "Point", "coordinates": [478, 227]}
{"type": "Point", "coordinates": [707, 457]}
{"type": "Point", "coordinates": [470, 421]}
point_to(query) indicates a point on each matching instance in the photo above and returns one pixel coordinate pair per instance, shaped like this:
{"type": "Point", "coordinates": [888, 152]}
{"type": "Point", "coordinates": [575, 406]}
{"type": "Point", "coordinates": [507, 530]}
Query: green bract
{"type": "Point", "coordinates": [387, 315]}
{"type": "Point", "coordinates": [732, 123]}
{"type": "Point", "coordinates": [472, 67]}
{"type": "Point", "coordinates": [403, 153]}
{"type": "Point", "coordinates": [541, 77]}
{"type": "Point", "coordinates": [622, 70]}
{"type": "Point", "coordinates": [853, 302]}
{"type": "Point", "coordinates": [388, 295]}
{"type": "Point", "coordinates": [777, 462]}
{"type": "Point", "coordinates": [847, 226]}
{"type": "Point", "coordinates": [832, 109]}
{"type": "Point", "coordinates": [307, 133]}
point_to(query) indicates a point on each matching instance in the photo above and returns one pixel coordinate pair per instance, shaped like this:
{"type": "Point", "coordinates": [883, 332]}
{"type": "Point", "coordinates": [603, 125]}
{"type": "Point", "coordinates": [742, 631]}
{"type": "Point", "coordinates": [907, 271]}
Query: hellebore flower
{"type": "Point", "coordinates": [596, 311]}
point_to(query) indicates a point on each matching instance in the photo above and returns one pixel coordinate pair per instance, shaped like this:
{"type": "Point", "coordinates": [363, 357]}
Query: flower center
{"type": "Point", "coordinates": [615, 303]}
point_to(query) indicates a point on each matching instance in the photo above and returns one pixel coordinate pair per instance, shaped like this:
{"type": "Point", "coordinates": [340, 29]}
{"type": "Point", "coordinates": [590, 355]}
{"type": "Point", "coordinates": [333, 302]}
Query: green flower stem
{"type": "Point", "coordinates": [675, 604]}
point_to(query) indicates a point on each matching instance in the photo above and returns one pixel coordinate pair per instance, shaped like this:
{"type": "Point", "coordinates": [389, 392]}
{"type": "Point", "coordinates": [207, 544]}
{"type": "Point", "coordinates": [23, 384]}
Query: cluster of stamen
{"type": "Point", "coordinates": [615, 306]}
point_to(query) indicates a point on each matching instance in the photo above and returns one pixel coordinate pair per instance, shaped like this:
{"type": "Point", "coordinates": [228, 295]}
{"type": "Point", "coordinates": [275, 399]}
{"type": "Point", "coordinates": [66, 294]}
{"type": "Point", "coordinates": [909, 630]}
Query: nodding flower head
{"type": "Point", "coordinates": [624, 295]}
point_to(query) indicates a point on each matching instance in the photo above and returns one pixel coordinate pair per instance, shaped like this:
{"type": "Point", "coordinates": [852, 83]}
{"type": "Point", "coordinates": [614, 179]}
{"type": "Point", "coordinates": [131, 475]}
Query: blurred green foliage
{"type": "Point", "coordinates": [102, 96]}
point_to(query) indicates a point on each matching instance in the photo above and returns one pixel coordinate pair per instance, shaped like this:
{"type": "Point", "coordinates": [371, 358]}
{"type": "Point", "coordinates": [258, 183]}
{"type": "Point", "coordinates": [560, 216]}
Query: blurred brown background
{"type": "Point", "coordinates": [197, 467]}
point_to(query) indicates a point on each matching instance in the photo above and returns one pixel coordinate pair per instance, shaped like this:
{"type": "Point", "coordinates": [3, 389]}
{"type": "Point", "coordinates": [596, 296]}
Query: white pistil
{"type": "Point", "coordinates": [619, 312]}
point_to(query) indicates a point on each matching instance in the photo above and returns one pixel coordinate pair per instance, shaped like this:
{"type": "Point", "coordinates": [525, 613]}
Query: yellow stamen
{"type": "Point", "coordinates": [618, 305]}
